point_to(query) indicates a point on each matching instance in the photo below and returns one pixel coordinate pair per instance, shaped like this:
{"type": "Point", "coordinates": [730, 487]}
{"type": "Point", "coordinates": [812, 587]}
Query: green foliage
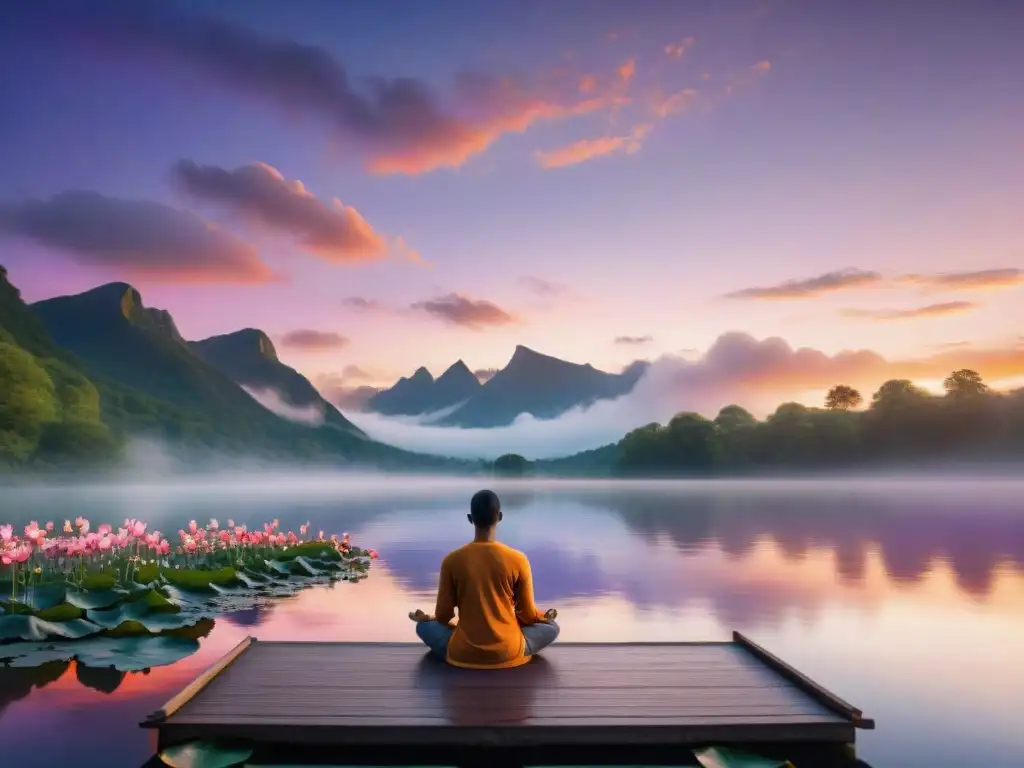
{"type": "Point", "coordinates": [842, 398]}
{"type": "Point", "coordinates": [904, 424]}
{"type": "Point", "coordinates": [510, 465]}
{"type": "Point", "coordinates": [28, 402]}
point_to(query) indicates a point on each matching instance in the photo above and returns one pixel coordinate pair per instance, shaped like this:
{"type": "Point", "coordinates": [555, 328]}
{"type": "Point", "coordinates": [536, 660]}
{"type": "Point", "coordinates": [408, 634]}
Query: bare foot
{"type": "Point", "coordinates": [551, 614]}
{"type": "Point", "coordinates": [418, 616]}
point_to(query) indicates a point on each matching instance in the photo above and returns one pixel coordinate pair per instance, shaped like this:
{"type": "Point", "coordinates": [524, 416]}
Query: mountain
{"type": "Point", "coordinates": [154, 382]}
{"type": "Point", "coordinates": [119, 338]}
{"type": "Point", "coordinates": [422, 393]}
{"type": "Point", "coordinates": [49, 409]}
{"type": "Point", "coordinates": [248, 357]}
{"type": "Point", "coordinates": [540, 385]}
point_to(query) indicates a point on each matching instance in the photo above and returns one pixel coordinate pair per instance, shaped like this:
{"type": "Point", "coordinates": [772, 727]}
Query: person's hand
{"type": "Point", "coordinates": [418, 616]}
{"type": "Point", "coordinates": [551, 614]}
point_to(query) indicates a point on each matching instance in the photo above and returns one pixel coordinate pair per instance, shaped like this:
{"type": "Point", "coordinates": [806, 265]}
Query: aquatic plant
{"type": "Point", "coordinates": [83, 585]}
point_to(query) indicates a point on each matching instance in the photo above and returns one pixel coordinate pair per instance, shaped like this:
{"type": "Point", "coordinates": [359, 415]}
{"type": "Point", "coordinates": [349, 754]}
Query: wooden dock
{"type": "Point", "coordinates": [385, 695]}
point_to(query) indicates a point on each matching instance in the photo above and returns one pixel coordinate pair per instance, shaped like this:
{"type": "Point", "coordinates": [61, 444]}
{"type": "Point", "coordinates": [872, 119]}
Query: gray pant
{"type": "Point", "coordinates": [436, 636]}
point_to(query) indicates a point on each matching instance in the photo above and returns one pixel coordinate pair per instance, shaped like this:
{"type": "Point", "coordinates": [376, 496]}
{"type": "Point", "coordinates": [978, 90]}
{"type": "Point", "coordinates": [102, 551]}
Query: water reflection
{"type": "Point", "coordinates": [870, 587]}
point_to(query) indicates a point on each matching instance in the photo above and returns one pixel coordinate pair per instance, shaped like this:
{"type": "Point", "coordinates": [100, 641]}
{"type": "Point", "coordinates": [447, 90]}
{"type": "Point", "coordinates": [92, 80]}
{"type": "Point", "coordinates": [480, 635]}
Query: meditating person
{"type": "Point", "coordinates": [490, 584]}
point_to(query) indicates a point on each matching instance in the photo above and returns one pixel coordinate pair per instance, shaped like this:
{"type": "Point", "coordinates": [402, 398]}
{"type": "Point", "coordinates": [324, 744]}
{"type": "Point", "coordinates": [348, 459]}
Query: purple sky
{"type": "Point", "coordinates": [573, 176]}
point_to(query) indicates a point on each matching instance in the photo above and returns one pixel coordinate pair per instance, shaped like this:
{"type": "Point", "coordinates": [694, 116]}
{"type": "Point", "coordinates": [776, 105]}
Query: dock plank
{"type": "Point", "coordinates": [359, 693]}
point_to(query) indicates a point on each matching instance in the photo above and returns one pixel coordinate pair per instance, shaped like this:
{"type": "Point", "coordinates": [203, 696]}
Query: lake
{"type": "Point", "coordinates": [905, 597]}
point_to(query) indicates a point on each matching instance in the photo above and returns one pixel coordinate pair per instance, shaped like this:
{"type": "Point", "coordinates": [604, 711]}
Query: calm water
{"type": "Point", "coordinates": [904, 597]}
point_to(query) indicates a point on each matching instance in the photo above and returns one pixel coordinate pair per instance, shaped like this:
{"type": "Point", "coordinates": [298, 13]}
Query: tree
{"type": "Point", "coordinates": [964, 383]}
{"type": "Point", "coordinates": [734, 417]}
{"type": "Point", "coordinates": [510, 464]}
{"type": "Point", "coordinates": [842, 398]}
{"type": "Point", "coordinates": [898, 392]}
{"type": "Point", "coordinates": [27, 401]}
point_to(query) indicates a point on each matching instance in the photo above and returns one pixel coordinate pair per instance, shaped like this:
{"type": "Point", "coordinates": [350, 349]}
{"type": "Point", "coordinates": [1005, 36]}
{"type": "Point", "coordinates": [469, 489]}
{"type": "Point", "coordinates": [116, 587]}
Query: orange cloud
{"type": "Point", "coordinates": [679, 101]}
{"type": "Point", "coordinates": [764, 66]}
{"type": "Point", "coordinates": [965, 281]}
{"type": "Point", "coordinates": [809, 287]}
{"type": "Point", "coordinates": [626, 70]}
{"type": "Point", "coordinates": [930, 310]}
{"type": "Point", "coordinates": [330, 230]}
{"type": "Point", "coordinates": [769, 367]}
{"type": "Point", "coordinates": [588, 149]}
{"type": "Point", "coordinates": [401, 125]}
{"type": "Point", "coordinates": [588, 84]}
{"type": "Point", "coordinates": [677, 50]}
{"type": "Point", "coordinates": [460, 142]}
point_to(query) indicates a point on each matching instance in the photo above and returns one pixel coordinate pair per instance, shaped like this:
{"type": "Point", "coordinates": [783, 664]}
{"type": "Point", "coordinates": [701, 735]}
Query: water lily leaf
{"type": "Point", "coordinates": [278, 567]}
{"type": "Point", "coordinates": [196, 579]}
{"type": "Point", "coordinates": [42, 596]}
{"type": "Point", "coordinates": [26, 655]}
{"type": "Point", "coordinates": [158, 603]}
{"type": "Point", "coordinates": [33, 628]}
{"type": "Point", "coordinates": [99, 580]}
{"type": "Point", "coordinates": [205, 754]}
{"type": "Point", "coordinates": [249, 581]}
{"type": "Point", "coordinates": [302, 566]}
{"type": "Point", "coordinates": [133, 654]}
{"type": "Point", "coordinates": [113, 617]}
{"type": "Point", "coordinates": [147, 573]}
{"type": "Point", "coordinates": [62, 612]}
{"type": "Point", "coordinates": [92, 599]}
{"type": "Point", "coordinates": [133, 590]}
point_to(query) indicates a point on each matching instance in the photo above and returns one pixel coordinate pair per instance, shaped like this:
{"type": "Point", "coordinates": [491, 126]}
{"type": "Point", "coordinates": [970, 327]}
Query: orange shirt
{"type": "Point", "coordinates": [492, 587]}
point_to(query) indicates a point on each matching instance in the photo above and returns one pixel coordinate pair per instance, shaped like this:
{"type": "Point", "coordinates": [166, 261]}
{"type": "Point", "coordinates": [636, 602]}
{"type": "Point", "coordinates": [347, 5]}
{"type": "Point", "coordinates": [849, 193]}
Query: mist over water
{"type": "Point", "coordinates": [869, 585]}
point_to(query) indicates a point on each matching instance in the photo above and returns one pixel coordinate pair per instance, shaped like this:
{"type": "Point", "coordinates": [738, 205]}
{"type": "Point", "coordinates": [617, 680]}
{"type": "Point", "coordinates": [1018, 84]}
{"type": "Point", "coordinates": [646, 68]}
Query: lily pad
{"type": "Point", "coordinates": [278, 567]}
{"type": "Point", "coordinates": [92, 599]}
{"type": "Point", "coordinates": [205, 754]}
{"type": "Point", "coordinates": [133, 654]}
{"type": "Point", "coordinates": [113, 617]}
{"type": "Point", "coordinates": [43, 596]}
{"type": "Point", "coordinates": [196, 579]}
{"type": "Point", "coordinates": [302, 566]}
{"type": "Point", "coordinates": [25, 655]}
{"type": "Point", "coordinates": [248, 580]}
{"type": "Point", "coordinates": [33, 628]}
{"type": "Point", "coordinates": [62, 612]}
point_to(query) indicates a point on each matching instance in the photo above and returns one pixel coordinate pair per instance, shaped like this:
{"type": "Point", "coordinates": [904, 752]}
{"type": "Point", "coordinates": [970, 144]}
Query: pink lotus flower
{"type": "Point", "coordinates": [374, 554]}
{"type": "Point", "coordinates": [105, 544]}
{"type": "Point", "coordinates": [137, 528]}
{"type": "Point", "coordinates": [49, 526]}
{"type": "Point", "coordinates": [83, 525]}
{"type": "Point", "coordinates": [192, 527]}
{"type": "Point", "coordinates": [214, 525]}
{"type": "Point", "coordinates": [6, 532]}
{"type": "Point", "coordinates": [104, 529]}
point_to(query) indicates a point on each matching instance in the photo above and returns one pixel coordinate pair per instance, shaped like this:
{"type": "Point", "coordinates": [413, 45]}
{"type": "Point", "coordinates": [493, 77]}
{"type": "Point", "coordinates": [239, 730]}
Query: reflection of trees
{"type": "Point", "coordinates": [17, 683]}
{"type": "Point", "coordinates": [973, 540]}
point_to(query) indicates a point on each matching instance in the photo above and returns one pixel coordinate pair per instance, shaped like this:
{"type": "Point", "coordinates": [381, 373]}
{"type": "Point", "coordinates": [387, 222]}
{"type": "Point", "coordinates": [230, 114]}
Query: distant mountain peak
{"type": "Point", "coordinates": [422, 374]}
{"type": "Point", "coordinates": [458, 369]}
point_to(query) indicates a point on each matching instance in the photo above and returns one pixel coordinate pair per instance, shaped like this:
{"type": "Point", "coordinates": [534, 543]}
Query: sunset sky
{"type": "Point", "coordinates": [383, 185]}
